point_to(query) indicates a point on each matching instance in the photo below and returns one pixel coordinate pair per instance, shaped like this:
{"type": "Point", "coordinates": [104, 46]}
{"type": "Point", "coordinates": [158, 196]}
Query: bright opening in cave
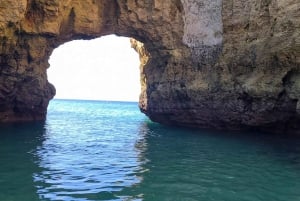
{"type": "Point", "coordinates": [105, 68]}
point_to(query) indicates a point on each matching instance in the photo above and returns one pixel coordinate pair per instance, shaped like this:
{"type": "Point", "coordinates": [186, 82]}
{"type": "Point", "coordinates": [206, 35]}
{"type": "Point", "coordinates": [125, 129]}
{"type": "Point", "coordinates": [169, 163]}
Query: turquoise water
{"type": "Point", "coordinates": [88, 150]}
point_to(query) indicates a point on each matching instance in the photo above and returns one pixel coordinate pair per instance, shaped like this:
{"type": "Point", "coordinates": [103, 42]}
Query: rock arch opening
{"type": "Point", "coordinates": [105, 68]}
{"type": "Point", "coordinates": [36, 28]}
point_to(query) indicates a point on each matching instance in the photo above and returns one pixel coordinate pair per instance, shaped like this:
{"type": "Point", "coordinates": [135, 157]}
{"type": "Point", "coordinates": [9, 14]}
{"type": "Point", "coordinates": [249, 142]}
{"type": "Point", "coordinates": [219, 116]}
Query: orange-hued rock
{"type": "Point", "coordinates": [225, 64]}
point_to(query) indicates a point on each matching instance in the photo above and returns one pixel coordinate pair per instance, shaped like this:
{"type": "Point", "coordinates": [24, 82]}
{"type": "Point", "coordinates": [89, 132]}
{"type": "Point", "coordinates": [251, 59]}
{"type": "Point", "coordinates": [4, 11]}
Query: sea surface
{"type": "Point", "coordinates": [97, 150]}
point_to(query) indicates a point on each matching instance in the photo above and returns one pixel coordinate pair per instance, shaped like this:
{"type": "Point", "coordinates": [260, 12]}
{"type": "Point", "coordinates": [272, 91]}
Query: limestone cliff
{"type": "Point", "coordinates": [226, 64]}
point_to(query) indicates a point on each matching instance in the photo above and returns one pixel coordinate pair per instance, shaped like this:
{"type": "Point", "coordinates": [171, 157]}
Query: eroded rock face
{"type": "Point", "coordinates": [226, 64]}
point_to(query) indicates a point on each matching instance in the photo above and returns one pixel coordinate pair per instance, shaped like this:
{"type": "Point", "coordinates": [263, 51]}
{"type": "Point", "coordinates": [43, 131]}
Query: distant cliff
{"type": "Point", "coordinates": [225, 64]}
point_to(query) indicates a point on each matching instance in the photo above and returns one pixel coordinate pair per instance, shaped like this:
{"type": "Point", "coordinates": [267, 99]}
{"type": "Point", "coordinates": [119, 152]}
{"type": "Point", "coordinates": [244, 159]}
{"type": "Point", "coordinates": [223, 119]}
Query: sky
{"type": "Point", "coordinates": [105, 68]}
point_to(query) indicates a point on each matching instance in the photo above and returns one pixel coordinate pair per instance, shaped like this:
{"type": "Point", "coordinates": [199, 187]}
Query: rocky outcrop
{"type": "Point", "coordinates": [226, 64]}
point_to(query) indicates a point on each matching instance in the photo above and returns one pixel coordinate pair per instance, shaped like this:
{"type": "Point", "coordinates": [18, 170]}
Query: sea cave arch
{"type": "Point", "coordinates": [209, 64]}
{"type": "Point", "coordinates": [42, 27]}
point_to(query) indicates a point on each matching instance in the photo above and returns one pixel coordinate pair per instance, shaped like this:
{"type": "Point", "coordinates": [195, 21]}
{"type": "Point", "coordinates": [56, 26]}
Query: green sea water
{"type": "Point", "coordinates": [93, 150]}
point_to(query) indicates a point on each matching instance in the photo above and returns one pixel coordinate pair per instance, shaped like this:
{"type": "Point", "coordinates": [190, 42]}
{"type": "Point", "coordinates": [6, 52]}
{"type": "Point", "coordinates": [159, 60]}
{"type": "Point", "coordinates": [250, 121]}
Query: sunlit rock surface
{"type": "Point", "coordinates": [227, 64]}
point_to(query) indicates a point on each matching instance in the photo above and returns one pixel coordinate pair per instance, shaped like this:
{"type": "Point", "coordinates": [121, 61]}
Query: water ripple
{"type": "Point", "coordinates": [90, 151]}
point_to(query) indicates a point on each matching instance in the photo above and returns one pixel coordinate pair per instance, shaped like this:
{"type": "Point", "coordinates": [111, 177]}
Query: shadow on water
{"type": "Point", "coordinates": [153, 162]}
{"type": "Point", "coordinates": [188, 164]}
{"type": "Point", "coordinates": [17, 145]}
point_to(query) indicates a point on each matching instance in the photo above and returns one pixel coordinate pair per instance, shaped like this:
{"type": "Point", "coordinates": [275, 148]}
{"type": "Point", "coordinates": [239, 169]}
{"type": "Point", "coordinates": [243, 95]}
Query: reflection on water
{"type": "Point", "coordinates": [96, 166]}
{"type": "Point", "coordinates": [109, 151]}
{"type": "Point", "coordinates": [93, 160]}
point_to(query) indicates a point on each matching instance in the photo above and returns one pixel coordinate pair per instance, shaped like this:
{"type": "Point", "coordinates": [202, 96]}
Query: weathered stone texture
{"type": "Point", "coordinates": [226, 64]}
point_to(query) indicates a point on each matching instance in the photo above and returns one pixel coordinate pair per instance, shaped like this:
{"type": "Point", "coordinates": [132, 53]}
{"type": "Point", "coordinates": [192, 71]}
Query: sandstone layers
{"type": "Point", "coordinates": [226, 64]}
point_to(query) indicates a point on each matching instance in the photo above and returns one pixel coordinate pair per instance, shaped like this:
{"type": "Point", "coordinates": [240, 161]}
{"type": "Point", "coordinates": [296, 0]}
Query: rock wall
{"type": "Point", "coordinates": [225, 64]}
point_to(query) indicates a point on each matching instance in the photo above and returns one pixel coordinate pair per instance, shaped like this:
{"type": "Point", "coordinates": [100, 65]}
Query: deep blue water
{"type": "Point", "coordinates": [89, 150]}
